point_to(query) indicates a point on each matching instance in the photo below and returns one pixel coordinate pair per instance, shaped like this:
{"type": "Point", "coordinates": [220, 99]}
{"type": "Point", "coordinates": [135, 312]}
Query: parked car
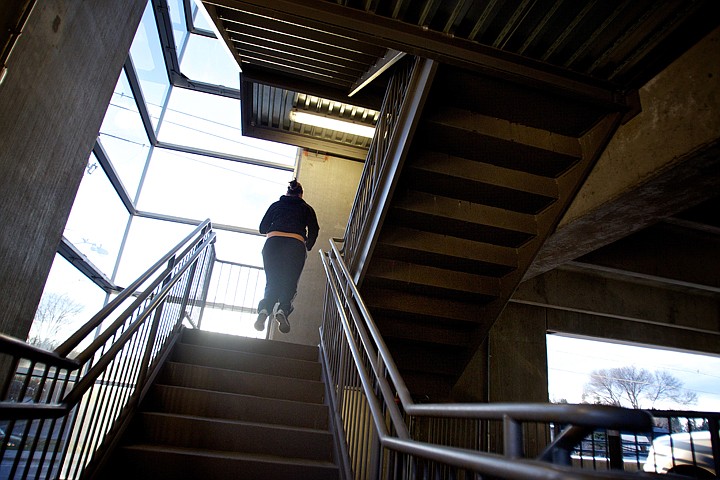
{"type": "Point", "coordinates": [634, 446]}
{"type": "Point", "coordinates": [11, 441]}
{"type": "Point", "coordinates": [688, 454]}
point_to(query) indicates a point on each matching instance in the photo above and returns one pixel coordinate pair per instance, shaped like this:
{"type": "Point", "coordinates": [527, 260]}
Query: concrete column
{"type": "Point", "coordinates": [518, 356]}
{"type": "Point", "coordinates": [60, 78]}
{"type": "Point", "coordinates": [329, 185]}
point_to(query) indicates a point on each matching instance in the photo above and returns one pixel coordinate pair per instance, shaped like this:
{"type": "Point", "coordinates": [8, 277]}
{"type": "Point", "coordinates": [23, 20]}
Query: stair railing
{"type": "Point", "coordinates": [62, 411]}
{"type": "Point", "coordinates": [378, 420]}
{"type": "Point", "coordinates": [399, 116]}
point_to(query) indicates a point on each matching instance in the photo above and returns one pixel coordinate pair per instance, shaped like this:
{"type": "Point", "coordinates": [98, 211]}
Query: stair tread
{"type": "Point", "coordinates": [485, 173]}
{"type": "Point", "coordinates": [410, 273]}
{"type": "Point", "coordinates": [208, 403]}
{"type": "Point", "coordinates": [448, 245]}
{"type": "Point", "coordinates": [243, 382]}
{"type": "Point", "coordinates": [272, 459]}
{"type": "Point", "coordinates": [235, 395]}
{"type": "Point", "coordinates": [460, 210]}
{"type": "Point", "coordinates": [420, 305]}
{"type": "Point", "coordinates": [227, 341]}
{"type": "Point", "coordinates": [273, 426]}
{"type": "Point", "coordinates": [504, 130]}
{"type": "Point", "coordinates": [244, 372]}
{"type": "Point", "coordinates": [246, 361]}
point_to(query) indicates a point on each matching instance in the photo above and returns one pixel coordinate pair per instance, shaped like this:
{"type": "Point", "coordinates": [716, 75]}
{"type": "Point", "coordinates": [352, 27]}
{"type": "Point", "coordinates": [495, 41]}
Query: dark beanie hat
{"type": "Point", "coordinates": [294, 188]}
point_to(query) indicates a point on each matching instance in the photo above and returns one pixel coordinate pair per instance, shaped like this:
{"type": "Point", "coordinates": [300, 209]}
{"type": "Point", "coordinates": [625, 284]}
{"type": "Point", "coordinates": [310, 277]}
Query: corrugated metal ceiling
{"type": "Point", "coordinates": [328, 49]}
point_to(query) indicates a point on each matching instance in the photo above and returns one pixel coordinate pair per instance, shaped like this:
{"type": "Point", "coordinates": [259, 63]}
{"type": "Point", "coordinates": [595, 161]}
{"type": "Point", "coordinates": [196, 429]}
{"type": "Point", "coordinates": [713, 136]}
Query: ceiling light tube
{"type": "Point", "coordinates": [332, 123]}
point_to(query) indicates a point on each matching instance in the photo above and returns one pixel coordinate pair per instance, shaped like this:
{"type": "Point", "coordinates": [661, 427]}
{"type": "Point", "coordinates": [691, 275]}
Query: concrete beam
{"type": "Point", "coordinates": [664, 253]}
{"type": "Point", "coordinates": [607, 305]}
{"type": "Point", "coordinates": [663, 161]}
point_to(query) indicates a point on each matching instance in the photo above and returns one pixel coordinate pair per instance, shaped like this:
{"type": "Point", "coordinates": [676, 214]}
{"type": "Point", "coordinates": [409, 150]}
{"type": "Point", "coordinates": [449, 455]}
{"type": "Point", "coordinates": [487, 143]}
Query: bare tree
{"type": "Point", "coordinates": [632, 386]}
{"type": "Point", "coordinates": [52, 315]}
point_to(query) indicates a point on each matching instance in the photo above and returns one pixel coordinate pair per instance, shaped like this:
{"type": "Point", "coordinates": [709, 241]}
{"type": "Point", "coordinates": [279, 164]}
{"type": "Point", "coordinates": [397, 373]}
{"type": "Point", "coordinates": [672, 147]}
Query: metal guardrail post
{"type": "Point", "coordinates": [512, 438]}
{"type": "Point", "coordinates": [614, 447]}
{"type": "Point", "coordinates": [714, 426]}
{"type": "Point", "coordinates": [206, 285]}
{"type": "Point", "coordinates": [153, 329]}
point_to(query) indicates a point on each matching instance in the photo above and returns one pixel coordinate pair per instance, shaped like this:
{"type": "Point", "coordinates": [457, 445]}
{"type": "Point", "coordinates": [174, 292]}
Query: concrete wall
{"type": "Point", "coordinates": [60, 78]}
{"type": "Point", "coordinates": [575, 301]}
{"type": "Point", "coordinates": [329, 185]}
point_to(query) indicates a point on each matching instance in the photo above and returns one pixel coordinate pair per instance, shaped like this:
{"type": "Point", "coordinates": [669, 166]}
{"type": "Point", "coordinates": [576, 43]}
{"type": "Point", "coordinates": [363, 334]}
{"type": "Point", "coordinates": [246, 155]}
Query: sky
{"type": "Point", "coordinates": [571, 360]}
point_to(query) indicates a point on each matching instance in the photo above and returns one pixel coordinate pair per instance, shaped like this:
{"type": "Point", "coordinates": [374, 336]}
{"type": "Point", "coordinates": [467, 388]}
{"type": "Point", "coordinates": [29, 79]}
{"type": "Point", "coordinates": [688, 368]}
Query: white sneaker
{"type": "Point", "coordinates": [260, 322]}
{"type": "Point", "coordinates": [283, 324]}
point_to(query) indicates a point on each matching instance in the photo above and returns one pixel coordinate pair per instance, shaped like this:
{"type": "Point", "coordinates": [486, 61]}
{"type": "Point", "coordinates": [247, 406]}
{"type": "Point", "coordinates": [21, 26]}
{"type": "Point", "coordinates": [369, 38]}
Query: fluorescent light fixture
{"type": "Point", "coordinates": [332, 123]}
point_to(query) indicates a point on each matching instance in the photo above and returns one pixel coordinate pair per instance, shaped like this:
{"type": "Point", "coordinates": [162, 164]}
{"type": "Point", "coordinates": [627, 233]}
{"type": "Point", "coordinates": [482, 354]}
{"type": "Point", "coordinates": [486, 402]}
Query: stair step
{"type": "Point", "coordinates": [442, 174]}
{"type": "Point", "coordinates": [155, 462]}
{"type": "Point", "coordinates": [432, 281]}
{"type": "Point", "coordinates": [245, 383]}
{"type": "Point", "coordinates": [548, 155]}
{"type": "Point", "coordinates": [502, 129]}
{"type": "Point", "coordinates": [250, 345]}
{"type": "Point", "coordinates": [231, 406]}
{"type": "Point", "coordinates": [570, 116]}
{"type": "Point", "coordinates": [430, 309]}
{"type": "Point", "coordinates": [235, 436]}
{"type": "Point", "coordinates": [246, 361]}
{"type": "Point", "coordinates": [458, 218]}
{"type": "Point", "coordinates": [445, 251]}
{"type": "Point", "coordinates": [412, 329]}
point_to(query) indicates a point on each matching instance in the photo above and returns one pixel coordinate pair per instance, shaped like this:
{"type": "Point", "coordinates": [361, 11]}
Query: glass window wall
{"type": "Point", "coordinates": [69, 300]}
{"type": "Point", "coordinates": [147, 58]}
{"type": "Point", "coordinates": [124, 138]}
{"type": "Point", "coordinates": [179, 26]}
{"type": "Point", "coordinates": [147, 241]}
{"type": "Point", "coordinates": [190, 182]}
{"type": "Point", "coordinates": [198, 187]}
{"type": "Point", "coordinates": [203, 55]}
{"type": "Point", "coordinates": [98, 219]}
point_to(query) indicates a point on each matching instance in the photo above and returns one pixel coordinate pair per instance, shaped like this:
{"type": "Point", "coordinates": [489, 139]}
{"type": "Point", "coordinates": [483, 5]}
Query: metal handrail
{"type": "Point", "coordinates": [398, 120]}
{"type": "Point", "coordinates": [68, 413]}
{"type": "Point", "coordinates": [73, 341]}
{"type": "Point", "coordinates": [367, 346]}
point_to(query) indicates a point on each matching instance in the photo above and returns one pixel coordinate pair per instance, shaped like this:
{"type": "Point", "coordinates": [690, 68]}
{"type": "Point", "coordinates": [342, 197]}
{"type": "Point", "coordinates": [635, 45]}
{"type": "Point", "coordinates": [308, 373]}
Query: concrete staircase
{"type": "Point", "coordinates": [490, 171]}
{"type": "Point", "coordinates": [227, 407]}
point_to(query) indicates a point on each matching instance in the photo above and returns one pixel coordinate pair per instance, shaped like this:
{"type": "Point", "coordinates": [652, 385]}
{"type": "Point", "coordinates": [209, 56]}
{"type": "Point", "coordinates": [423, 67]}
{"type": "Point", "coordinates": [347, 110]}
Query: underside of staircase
{"type": "Point", "coordinates": [227, 407]}
{"type": "Point", "coordinates": [490, 171]}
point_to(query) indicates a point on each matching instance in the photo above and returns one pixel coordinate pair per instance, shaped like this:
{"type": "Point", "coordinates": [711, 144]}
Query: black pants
{"type": "Point", "coordinates": [284, 259]}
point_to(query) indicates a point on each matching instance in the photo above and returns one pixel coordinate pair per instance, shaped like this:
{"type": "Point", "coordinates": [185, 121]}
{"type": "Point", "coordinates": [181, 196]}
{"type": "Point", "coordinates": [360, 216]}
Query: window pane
{"type": "Point", "coordinates": [208, 60]}
{"type": "Point", "coordinates": [98, 219]}
{"type": "Point", "coordinates": [69, 300]}
{"type": "Point", "coordinates": [147, 57]}
{"type": "Point", "coordinates": [198, 187]}
{"type": "Point", "coordinates": [572, 360]}
{"type": "Point", "coordinates": [148, 240]}
{"type": "Point", "coordinates": [124, 138]}
{"type": "Point", "coordinates": [177, 18]}
{"type": "Point", "coordinates": [201, 19]}
{"type": "Point", "coordinates": [239, 248]}
{"type": "Point", "coordinates": [211, 122]}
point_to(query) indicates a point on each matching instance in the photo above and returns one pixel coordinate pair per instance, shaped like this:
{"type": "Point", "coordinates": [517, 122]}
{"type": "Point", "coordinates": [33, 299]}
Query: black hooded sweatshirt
{"type": "Point", "coordinates": [291, 214]}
